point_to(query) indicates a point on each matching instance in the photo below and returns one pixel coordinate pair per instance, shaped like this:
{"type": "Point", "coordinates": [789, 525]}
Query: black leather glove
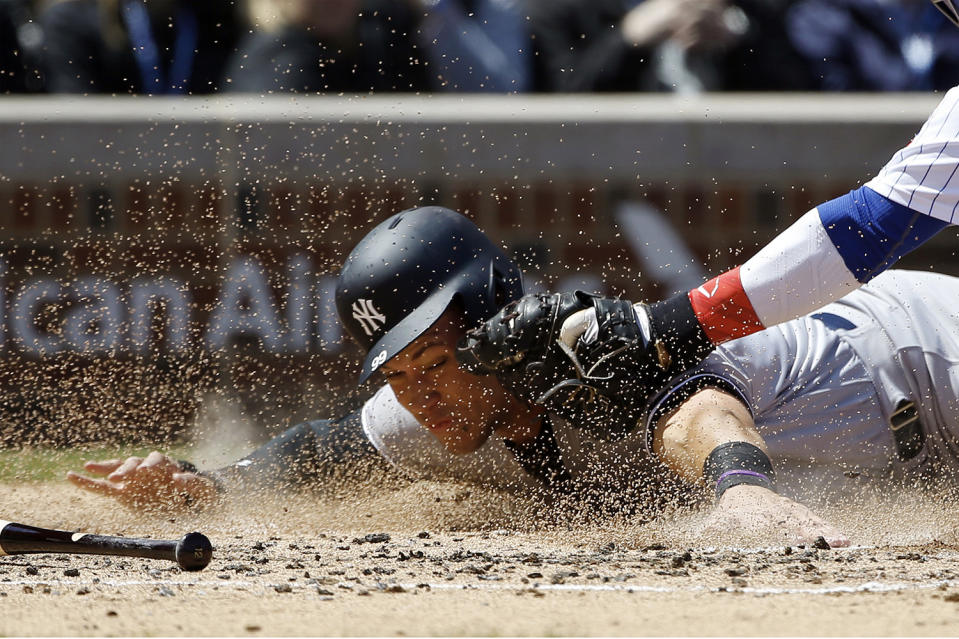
{"type": "Point", "coordinates": [599, 380]}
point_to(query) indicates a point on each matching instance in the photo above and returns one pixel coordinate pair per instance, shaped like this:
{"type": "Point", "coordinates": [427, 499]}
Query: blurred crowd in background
{"type": "Point", "coordinates": [501, 46]}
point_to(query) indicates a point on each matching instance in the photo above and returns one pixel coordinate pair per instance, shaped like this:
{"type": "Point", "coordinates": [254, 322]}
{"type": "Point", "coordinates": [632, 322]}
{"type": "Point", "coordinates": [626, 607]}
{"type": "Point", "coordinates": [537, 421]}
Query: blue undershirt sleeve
{"type": "Point", "coordinates": [871, 232]}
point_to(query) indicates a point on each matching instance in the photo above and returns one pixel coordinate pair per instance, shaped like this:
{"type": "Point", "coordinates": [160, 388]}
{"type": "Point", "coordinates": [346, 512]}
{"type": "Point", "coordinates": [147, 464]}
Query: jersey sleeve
{"type": "Point", "coordinates": [840, 244]}
{"type": "Point", "coordinates": [300, 456]}
{"type": "Point", "coordinates": [823, 256]}
{"type": "Point", "coordinates": [922, 176]}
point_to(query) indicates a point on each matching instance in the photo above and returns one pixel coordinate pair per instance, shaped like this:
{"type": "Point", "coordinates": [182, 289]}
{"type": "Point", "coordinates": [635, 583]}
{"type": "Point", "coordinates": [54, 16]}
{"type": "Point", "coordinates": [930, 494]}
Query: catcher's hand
{"type": "Point", "coordinates": [590, 359]}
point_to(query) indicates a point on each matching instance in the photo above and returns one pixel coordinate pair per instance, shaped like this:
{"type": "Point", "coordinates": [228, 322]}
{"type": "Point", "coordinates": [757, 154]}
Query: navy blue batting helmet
{"type": "Point", "coordinates": [405, 273]}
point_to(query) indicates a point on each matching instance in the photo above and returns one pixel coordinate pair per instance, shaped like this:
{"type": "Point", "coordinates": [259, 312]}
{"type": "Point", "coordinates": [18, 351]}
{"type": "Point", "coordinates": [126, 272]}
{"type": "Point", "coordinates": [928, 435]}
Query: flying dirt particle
{"type": "Point", "coordinates": [71, 572]}
{"type": "Point", "coordinates": [283, 588]}
{"type": "Point", "coordinates": [252, 628]}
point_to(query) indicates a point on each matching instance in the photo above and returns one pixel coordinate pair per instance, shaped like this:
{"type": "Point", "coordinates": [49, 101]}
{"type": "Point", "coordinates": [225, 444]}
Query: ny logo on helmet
{"type": "Point", "coordinates": [369, 318]}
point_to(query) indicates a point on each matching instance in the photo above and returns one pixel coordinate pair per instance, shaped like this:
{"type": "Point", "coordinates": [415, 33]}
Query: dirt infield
{"type": "Point", "coordinates": [437, 559]}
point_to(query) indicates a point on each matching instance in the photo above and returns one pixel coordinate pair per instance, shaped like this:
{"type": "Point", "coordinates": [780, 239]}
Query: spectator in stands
{"type": "Point", "coordinates": [140, 46]}
{"type": "Point", "coordinates": [662, 45]}
{"type": "Point", "coordinates": [875, 45]}
{"type": "Point", "coordinates": [20, 41]}
{"type": "Point", "coordinates": [333, 46]}
{"type": "Point", "coordinates": [476, 45]}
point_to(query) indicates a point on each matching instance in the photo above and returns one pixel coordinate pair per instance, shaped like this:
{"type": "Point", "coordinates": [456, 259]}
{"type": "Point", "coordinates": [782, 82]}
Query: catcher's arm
{"type": "Point", "coordinates": [711, 439]}
{"type": "Point", "coordinates": [297, 457]}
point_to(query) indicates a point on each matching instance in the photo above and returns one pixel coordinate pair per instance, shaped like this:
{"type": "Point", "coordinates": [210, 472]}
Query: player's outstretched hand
{"type": "Point", "coordinates": [756, 513]}
{"type": "Point", "coordinates": [152, 482]}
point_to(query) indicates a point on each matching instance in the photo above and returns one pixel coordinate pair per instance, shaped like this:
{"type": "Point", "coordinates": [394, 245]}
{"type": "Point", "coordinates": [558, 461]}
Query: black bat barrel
{"type": "Point", "coordinates": [193, 552]}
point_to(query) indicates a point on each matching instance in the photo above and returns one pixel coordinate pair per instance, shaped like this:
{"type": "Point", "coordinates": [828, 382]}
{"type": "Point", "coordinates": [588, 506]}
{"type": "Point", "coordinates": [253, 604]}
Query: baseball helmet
{"type": "Point", "coordinates": [949, 8]}
{"type": "Point", "coordinates": [405, 273]}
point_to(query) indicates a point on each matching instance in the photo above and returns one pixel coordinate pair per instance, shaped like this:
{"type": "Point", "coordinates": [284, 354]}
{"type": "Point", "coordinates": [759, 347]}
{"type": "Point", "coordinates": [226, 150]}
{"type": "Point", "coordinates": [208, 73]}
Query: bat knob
{"type": "Point", "coordinates": [194, 552]}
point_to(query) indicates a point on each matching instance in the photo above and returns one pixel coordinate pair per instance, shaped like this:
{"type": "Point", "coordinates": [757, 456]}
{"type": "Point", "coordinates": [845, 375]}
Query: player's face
{"type": "Point", "coordinates": [460, 409]}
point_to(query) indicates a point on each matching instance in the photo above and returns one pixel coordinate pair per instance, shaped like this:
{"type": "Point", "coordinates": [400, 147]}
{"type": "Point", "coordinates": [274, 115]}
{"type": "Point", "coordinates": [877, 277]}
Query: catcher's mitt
{"type": "Point", "coordinates": [600, 379]}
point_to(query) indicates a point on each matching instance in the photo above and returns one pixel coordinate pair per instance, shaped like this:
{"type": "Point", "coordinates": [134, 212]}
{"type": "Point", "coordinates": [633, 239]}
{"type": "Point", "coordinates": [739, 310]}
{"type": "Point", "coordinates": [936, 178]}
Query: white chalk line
{"type": "Point", "coordinates": [869, 586]}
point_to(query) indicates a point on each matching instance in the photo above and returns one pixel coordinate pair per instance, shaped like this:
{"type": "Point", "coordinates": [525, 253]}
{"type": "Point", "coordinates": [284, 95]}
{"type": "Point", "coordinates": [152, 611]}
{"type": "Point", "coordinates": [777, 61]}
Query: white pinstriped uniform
{"type": "Point", "coordinates": [923, 176]}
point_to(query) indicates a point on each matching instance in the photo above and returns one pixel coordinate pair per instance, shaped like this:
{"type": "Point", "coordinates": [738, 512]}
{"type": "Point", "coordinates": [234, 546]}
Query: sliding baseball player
{"type": "Point", "coordinates": [864, 388]}
{"type": "Point", "coordinates": [857, 391]}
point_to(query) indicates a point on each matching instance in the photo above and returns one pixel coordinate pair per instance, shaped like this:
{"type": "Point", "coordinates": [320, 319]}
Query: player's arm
{"type": "Point", "coordinates": [300, 456]}
{"type": "Point", "coordinates": [830, 251]}
{"type": "Point", "coordinates": [826, 254]}
{"type": "Point", "coordinates": [710, 440]}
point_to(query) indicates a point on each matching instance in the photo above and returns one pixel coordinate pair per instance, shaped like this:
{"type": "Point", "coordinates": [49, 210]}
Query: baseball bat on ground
{"type": "Point", "coordinates": [193, 552]}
